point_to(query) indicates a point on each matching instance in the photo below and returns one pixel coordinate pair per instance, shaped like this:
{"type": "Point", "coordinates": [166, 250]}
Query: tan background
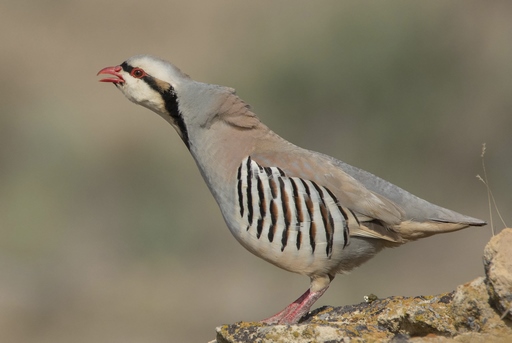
{"type": "Point", "coordinates": [108, 234]}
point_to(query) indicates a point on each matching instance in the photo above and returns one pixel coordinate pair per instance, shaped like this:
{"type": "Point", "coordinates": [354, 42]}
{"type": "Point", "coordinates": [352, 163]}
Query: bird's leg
{"type": "Point", "coordinates": [297, 309]}
{"type": "Point", "coordinates": [276, 318]}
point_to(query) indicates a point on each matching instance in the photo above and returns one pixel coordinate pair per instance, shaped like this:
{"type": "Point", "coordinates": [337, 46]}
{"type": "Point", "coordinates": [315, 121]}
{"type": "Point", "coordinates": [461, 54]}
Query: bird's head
{"type": "Point", "coordinates": [189, 106]}
{"type": "Point", "coordinates": [147, 81]}
{"type": "Point", "coordinates": [153, 83]}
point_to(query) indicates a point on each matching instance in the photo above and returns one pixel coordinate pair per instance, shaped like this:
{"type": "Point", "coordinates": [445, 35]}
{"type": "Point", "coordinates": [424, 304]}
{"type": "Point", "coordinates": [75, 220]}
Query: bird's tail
{"type": "Point", "coordinates": [410, 230]}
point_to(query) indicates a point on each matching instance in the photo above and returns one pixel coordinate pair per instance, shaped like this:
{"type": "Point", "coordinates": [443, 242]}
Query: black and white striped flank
{"type": "Point", "coordinates": [279, 208]}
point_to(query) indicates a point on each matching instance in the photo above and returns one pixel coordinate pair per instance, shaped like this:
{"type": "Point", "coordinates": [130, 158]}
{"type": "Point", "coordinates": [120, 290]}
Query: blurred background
{"type": "Point", "coordinates": [109, 234]}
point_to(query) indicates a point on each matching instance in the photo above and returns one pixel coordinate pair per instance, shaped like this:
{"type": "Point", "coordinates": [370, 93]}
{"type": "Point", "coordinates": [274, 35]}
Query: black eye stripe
{"type": "Point", "coordinates": [126, 67]}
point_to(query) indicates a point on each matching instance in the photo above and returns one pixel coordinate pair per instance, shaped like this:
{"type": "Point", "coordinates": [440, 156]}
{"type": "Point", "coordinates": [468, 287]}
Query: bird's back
{"type": "Point", "coordinates": [414, 208]}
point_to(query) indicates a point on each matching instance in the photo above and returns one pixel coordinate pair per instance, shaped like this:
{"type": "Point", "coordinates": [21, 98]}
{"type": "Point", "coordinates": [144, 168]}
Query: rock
{"type": "Point", "coordinates": [471, 313]}
{"type": "Point", "coordinates": [498, 270]}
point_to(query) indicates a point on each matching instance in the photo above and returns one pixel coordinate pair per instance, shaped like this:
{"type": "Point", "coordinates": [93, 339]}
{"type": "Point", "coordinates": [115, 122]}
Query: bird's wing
{"type": "Point", "coordinates": [373, 216]}
{"type": "Point", "coordinates": [383, 210]}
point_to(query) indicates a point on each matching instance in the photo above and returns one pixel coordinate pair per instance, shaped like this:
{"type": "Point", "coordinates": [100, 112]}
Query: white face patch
{"type": "Point", "coordinates": [136, 90]}
{"type": "Point", "coordinates": [162, 74]}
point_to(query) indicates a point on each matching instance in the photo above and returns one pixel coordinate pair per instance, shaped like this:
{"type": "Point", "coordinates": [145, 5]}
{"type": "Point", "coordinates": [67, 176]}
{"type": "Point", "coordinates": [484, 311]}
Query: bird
{"type": "Point", "coordinates": [303, 211]}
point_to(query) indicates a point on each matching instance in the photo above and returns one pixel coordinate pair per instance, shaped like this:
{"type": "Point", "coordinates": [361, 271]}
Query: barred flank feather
{"type": "Point", "coordinates": [276, 206]}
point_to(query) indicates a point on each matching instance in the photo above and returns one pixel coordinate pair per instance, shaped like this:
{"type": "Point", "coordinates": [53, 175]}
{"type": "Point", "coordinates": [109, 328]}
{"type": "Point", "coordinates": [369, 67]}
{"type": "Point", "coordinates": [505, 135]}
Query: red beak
{"type": "Point", "coordinates": [112, 71]}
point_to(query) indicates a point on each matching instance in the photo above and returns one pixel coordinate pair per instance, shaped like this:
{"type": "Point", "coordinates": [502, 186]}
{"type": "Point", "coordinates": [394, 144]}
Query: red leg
{"type": "Point", "coordinates": [296, 310]}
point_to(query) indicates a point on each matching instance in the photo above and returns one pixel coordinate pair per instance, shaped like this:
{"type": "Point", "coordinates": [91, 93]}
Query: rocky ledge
{"type": "Point", "coordinates": [478, 311]}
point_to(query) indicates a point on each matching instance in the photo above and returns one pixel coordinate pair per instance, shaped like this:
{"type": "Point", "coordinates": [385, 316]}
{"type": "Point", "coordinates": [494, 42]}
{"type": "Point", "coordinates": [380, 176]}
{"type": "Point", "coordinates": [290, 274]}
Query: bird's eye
{"type": "Point", "coordinates": [138, 73]}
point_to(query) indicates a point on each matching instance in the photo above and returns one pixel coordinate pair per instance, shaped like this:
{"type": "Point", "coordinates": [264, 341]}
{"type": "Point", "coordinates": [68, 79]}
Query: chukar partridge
{"type": "Point", "coordinates": [300, 210]}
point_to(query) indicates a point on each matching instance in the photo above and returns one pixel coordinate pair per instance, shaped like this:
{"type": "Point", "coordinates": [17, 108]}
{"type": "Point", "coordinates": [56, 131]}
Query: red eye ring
{"type": "Point", "coordinates": [138, 73]}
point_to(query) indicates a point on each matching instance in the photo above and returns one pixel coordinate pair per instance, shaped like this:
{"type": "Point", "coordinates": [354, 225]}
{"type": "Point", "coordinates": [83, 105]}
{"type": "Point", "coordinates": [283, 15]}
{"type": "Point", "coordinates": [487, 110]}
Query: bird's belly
{"type": "Point", "coordinates": [291, 249]}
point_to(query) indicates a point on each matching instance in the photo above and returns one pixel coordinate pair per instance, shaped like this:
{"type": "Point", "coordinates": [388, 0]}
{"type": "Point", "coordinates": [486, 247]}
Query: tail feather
{"type": "Point", "coordinates": [410, 230]}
